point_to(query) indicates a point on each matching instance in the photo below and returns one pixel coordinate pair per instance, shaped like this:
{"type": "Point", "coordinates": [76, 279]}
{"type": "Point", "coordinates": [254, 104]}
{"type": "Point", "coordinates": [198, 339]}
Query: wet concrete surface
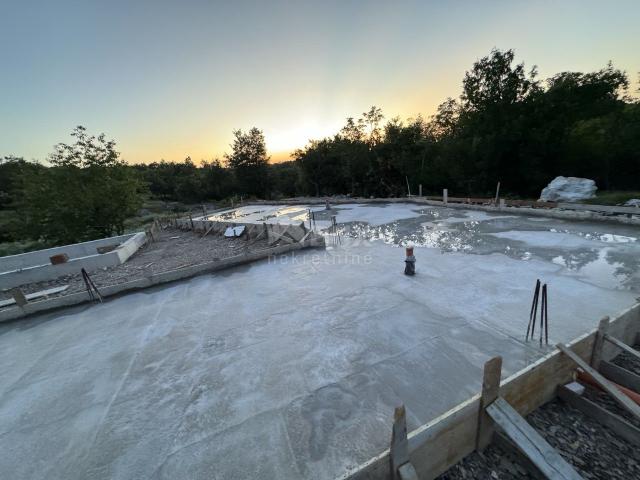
{"type": "Point", "coordinates": [291, 368]}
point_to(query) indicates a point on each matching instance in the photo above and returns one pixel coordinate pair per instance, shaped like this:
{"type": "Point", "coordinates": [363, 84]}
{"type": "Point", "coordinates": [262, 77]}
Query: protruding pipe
{"type": "Point", "coordinates": [409, 261]}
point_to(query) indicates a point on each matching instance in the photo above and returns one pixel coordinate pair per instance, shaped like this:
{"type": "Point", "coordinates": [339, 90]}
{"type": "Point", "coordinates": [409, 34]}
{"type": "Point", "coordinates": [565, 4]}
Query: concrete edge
{"type": "Point", "coordinates": [40, 273]}
{"type": "Point", "coordinates": [45, 253]}
{"type": "Point", "coordinates": [559, 213]}
{"type": "Point", "coordinates": [14, 313]}
{"type": "Point", "coordinates": [451, 435]}
{"type": "Point", "coordinates": [131, 246]}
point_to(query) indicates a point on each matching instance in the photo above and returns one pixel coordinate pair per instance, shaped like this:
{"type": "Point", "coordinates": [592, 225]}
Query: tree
{"type": "Point", "coordinates": [249, 162]}
{"type": "Point", "coordinates": [370, 124]}
{"type": "Point", "coordinates": [13, 171]}
{"type": "Point", "coordinates": [493, 80]}
{"type": "Point", "coordinates": [87, 193]}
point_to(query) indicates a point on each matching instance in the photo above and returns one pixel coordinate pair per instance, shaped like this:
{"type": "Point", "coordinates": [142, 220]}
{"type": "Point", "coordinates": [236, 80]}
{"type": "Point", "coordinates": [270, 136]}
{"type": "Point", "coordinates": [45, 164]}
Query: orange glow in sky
{"type": "Point", "coordinates": [168, 80]}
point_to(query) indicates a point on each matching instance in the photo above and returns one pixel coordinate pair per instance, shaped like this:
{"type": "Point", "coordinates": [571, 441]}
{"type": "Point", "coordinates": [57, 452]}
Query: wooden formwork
{"type": "Point", "coordinates": [441, 443]}
{"type": "Point", "coordinates": [273, 233]}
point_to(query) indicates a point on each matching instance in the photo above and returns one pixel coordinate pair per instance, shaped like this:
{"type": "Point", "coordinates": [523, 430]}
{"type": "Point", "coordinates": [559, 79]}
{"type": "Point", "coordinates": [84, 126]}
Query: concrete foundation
{"type": "Point", "coordinates": [291, 367]}
{"type": "Point", "coordinates": [35, 266]}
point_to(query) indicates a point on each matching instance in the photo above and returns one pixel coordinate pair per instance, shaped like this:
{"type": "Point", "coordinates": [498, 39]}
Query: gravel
{"type": "Point", "coordinates": [172, 249]}
{"type": "Point", "coordinates": [628, 361]}
{"type": "Point", "coordinates": [593, 450]}
{"type": "Point", "coordinates": [494, 462]}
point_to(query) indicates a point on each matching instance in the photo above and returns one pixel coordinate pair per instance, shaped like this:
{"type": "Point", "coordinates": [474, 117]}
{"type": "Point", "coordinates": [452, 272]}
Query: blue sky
{"type": "Point", "coordinates": [171, 79]}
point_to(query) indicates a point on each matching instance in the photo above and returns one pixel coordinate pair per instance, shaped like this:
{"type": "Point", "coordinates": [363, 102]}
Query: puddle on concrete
{"type": "Point", "coordinates": [606, 255]}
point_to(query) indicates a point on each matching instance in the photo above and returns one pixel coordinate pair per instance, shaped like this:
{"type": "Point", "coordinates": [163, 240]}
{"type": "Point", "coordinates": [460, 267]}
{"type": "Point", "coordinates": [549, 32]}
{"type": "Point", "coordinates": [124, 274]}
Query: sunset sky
{"type": "Point", "coordinates": [171, 79]}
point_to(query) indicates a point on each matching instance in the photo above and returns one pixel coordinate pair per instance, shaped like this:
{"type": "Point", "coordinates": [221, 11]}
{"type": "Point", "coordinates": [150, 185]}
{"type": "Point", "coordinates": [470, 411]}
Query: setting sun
{"type": "Point", "coordinates": [283, 140]}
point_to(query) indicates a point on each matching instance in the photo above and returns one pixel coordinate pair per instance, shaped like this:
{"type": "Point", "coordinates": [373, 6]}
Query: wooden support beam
{"type": "Point", "coordinates": [530, 442]}
{"type": "Point", "coordinates": [34, 295]}
{"type": "Point", "coordinates": [305, 236]}
{"type": "Point", "coordinates": [622, 345]}
{"type": "Point", "coordinates": [617, 395]}
{"type": "Point", "coordinates": [620, 375]}
{"type": "Point", "coordinates": [596, 355]}
{"type": "Point", "coordinates": [501, 441]}
{"type": "Point", "coordinates": [401, 468]}
{"type": "Point", "coordinates": [615, 423]}
{"type": "Point", "coordinates": [18, 297]}
{"type": "Point", "coordinates": [407, 472]}
{"type": "Point", "coordinates": [490, 391]}
{"type": "Point", "coordinates": [208, 230]}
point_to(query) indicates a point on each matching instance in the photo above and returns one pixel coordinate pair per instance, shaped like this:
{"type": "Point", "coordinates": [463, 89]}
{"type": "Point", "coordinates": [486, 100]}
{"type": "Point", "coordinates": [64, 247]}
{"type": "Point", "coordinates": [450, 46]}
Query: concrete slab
{"type": "Point", "coordinates": [291, 368]}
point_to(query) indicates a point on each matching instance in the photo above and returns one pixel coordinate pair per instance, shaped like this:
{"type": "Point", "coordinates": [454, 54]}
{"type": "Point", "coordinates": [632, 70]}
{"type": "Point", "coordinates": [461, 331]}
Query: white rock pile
{"type": "Point", "coordinates": [568, 189]}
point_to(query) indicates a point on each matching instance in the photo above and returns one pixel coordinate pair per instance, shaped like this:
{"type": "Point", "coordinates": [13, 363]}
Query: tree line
{"type": "Point", "coordinates": [507, 125]}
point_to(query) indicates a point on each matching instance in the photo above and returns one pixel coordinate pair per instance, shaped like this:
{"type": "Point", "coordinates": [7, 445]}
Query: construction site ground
{"type": "Point", "coordinates": [291, 367]}
{"type": "Point", "coordinates": [171, 249]}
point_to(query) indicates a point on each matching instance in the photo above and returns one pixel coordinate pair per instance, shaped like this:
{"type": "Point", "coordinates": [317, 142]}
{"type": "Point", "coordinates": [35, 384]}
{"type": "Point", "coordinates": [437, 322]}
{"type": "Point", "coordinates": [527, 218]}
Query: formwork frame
{"type": "Point", "coordinates": [447, 439]}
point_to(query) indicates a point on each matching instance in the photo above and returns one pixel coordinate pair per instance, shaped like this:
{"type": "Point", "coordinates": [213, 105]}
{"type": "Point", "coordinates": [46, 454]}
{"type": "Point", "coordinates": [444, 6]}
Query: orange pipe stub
{"type": "Point", "coordinates": [586, 378]}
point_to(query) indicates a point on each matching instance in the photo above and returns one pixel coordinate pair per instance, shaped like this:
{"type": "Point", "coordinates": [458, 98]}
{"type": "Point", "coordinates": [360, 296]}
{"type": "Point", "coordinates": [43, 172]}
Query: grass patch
{"type": "Point", "coordinates": [613, 197]}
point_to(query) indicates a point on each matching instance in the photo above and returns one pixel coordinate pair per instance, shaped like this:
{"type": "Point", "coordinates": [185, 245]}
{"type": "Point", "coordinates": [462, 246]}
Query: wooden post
{"type": "Point", "coordinates": [490, 391]}
{"type": "Point", "coordinates": [401, 468]}
{"type": "Point", "coordinates": [596, 355]}
{"type": "Point", "coordinates": [445, 196]}
{"type": "Point", "coordinates": [420, 190]}
{"type": "Point", "coordinates": [497, 194]}
{"type": "Point", "coordinates": [408, 188]}
{"type": "Point", "coordinates": [19, 297]}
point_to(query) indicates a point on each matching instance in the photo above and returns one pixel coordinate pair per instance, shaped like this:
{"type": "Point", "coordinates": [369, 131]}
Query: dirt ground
{"type": "Point", "coordinates": [172, 249]}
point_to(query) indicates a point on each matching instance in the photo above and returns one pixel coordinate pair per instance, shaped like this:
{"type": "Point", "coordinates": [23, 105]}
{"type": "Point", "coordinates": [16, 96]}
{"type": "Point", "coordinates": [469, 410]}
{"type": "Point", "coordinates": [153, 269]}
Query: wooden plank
{"type": "Point", "coordinates": [34, 295]}
{"type": "Point", "coordinates": [401, 468]}
{"type": "Point", "coordinates": [208, 230]}
{"type": "Point", "coordinates": [535, 385]}
{"type": "Point", "coordinates": [620, 375]}
{"type": "Point", "coordinates": [622, 345]}
{"type": "Point", "coordinates": [18, 296]}
{"type": "Point", "coordinates": [399, 444]}
{"type": "Point", "coordinates": [600, 208]}
{"type": "Point", "coordinates": [530, 442]}
{"type": "Point", "coordinates": [617, 395]}
{"type": "Point", "coordinates": [490, 391]}
{"type": "Point", "coordinates": [596, 356]}
{"type": "Point", "coordinates": [500, 440]}
{"type": "Point", "coordinates": [407, 472]}
{"type": "Point", "coordinates": [617, 424]}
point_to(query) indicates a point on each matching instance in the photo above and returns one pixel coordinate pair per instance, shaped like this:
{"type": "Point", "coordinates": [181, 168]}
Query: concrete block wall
{"type": "Point", "coordinates": [41, 257]}
{"type": "Point", "coordinates": [38, 272]}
